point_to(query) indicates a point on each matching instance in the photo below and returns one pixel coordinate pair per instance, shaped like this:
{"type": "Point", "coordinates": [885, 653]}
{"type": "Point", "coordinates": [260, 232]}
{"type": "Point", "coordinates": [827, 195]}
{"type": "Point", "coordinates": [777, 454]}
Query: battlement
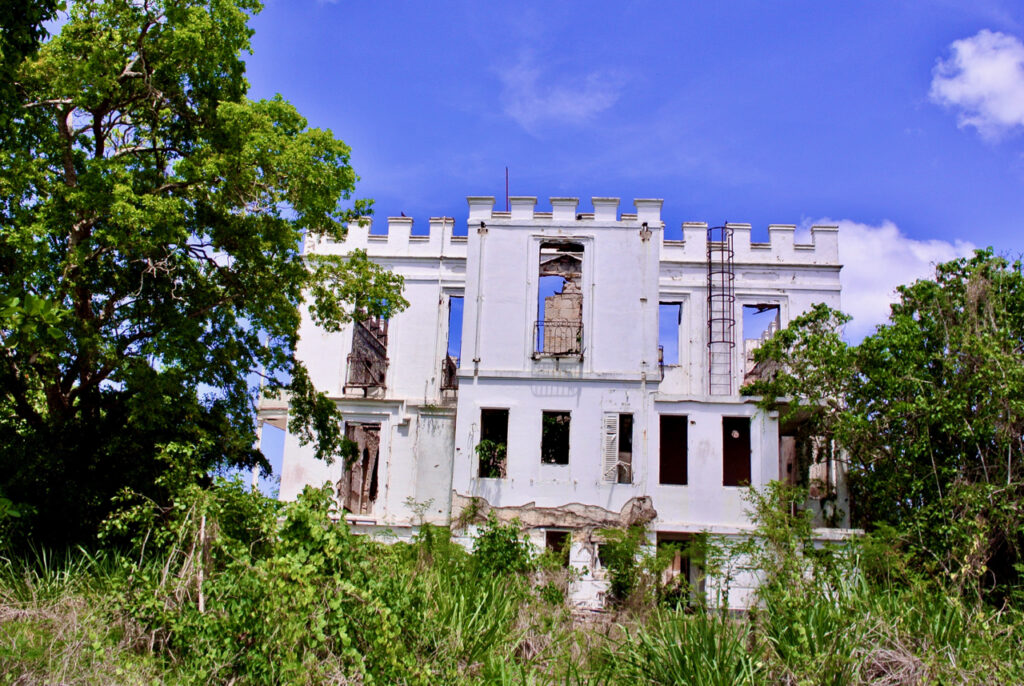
{"type": "Point", "coordinates": [399, 241]}
{"type": "Point", "coordinates": [781, 247]}
{"type": "Point", "coordinates": [441, 241]}
{"type": "Point", "coordinates": [565, 210]}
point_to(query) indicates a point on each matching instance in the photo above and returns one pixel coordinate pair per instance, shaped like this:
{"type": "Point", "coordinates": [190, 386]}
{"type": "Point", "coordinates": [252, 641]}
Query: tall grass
{"type": "Point", "coordinates": [58, 625]}
{"type": "Point", "coordinates": [671, 647]}
{"type": "Point", "coordinates": [313, 604]}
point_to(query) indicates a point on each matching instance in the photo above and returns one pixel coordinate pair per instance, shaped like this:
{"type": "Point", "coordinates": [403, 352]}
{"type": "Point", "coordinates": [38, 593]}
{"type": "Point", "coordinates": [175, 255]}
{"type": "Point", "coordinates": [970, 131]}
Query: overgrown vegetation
{"type": "Point", "coordinates": [229, 586]}
{"type": "Point", "coordinates": [152, 219]}
{"type": "Point", "coordinates": [492, 459]}
{"type": "Point", "coordinates": [150, 223]}
{"type": "Point", "coordinates": [929, 413]}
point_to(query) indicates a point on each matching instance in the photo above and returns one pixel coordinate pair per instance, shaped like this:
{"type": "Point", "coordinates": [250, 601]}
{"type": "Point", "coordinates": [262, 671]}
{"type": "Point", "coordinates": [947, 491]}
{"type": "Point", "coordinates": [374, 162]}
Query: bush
{"type": "Point", "coordinates": [502, 548]}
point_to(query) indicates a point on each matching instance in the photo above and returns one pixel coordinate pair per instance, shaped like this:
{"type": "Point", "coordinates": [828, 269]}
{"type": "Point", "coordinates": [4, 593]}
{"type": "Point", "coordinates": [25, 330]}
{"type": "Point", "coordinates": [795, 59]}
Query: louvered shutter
{"type": "Point", "coordinates": [610, 446]}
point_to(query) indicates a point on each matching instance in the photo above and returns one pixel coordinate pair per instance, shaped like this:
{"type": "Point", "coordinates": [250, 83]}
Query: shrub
{"type": "Point", "coordinates": [501, 548]}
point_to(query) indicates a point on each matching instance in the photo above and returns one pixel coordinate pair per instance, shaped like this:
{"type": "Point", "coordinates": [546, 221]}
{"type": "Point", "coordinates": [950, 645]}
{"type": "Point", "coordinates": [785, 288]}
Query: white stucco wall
{"type": "Point", "coordinates": [428, 437]}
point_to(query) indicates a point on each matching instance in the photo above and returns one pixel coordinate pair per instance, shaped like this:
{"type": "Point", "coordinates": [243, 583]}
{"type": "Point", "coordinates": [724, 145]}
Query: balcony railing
{"type": "Point", "coordinates": [449, 373]}
{"type": "Point", "coordinates": [558, 338]}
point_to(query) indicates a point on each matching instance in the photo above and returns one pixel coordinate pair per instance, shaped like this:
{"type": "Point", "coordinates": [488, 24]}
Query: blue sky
{"type": "Point", "coordinates": [902, 122]}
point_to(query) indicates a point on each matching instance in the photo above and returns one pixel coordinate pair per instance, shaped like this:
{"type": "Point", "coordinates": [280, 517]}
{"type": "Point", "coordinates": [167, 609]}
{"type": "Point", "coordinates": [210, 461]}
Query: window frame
{"type": "Point", "coordinates": [684, 421]}
{"type": "Point", "coordinates": [546, 449]}
{"type": "Point", "coordinates": [728, 454]}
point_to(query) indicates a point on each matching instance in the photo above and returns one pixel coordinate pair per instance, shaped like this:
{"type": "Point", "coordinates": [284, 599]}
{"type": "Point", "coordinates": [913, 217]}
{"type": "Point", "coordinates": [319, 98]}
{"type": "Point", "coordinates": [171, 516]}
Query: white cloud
{"type": "Point", "coordinates": [531, 98]}
{"type": "Point", "coordinates": [984, 80]}
{"type": "Point", "coordinates": [877, 259]}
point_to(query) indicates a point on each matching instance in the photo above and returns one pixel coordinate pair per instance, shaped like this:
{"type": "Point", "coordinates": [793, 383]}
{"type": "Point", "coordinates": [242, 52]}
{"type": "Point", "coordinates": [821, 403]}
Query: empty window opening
{"type": "Point", "coordinates": [679, 577]}
{"type": "Point", "coordinates": [558, 543]}
{"type": "Point", "coordinates": [670, 319]}
{"type": "Point", "coordinates": [673, 457]}
{"type": "Point", "coordinates": [554, 442]}
{"type": "Point", "coordinates": [358, 486]}
{"type": "Point", "coordinates": [559, 327]}
{"type": "Point", "coordinates": [787, 460]}
{"type": "Point", "coordinates": [368, 361]}
{"type": "Point", "coordinates": [492, 450]}
{"type": "Point", "coordinates": [735, 451]}
{"type": "Point", "coordinates": [625, 470]}
{"type": "Point", "coordinates": [617, 447]}
{"type": "Point", "coordinates": [450, 365]}
{"type": "Point", "coordinates": [760, 322]}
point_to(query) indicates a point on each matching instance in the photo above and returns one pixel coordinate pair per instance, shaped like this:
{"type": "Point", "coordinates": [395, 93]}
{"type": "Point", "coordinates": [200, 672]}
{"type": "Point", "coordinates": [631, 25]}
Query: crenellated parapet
{"type": "Point", "coordinates": [781, 247]}
{"type": "Point", "coordinates": [565, 211]}
{"type": "Point", "coordinates": [398, 241]}
{"type": "Point", "coordinates": [440, 240]}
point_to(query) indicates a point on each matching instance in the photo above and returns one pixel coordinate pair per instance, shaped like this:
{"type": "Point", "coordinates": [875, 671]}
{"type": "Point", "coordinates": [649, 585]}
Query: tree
{"type": "Point", "coordinates": [929, 410]}
{"type": "Point", "coordinates": [21, 30]}
{"type": "Point", "coordinates": [151, 222]}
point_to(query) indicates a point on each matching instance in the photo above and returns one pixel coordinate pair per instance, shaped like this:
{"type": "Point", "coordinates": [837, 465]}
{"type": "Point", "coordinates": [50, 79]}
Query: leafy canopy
{"type": "Point", "coordinates": [151, 224]}
{"type": "Point", "coordinates": [929, 411]}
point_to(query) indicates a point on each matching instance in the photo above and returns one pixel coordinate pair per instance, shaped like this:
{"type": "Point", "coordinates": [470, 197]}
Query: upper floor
{"type": "Point", "coordinates": [565, 294]}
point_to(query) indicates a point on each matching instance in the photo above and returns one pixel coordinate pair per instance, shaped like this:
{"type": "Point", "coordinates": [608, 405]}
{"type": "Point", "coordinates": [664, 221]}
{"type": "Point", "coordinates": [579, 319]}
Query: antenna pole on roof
{"type": "Point", "coordinates": [506, 189]}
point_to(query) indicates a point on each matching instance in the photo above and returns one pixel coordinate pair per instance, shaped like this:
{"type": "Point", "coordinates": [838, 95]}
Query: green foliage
{"type": "Point", "coordinates": [621, 556]}
{"type": "Point", "coordinates": [21, 31]}
{"type": "Point", "coordinates": [929, 410]}
{"type": "Point", "coordinates": [676, 648]}
{"type": "Point", "coordinates": [492, 459]}
{"type": "Point", "coordinates": [234, 585]}
{"type": "Point", "coordinates": [501, 549]}
{"type": "Point", "coordinates": [234, 590]}
{"type": "Point", "coordinates": [152, 219]}
{"type": "Point", "coordinates": [228, 586]}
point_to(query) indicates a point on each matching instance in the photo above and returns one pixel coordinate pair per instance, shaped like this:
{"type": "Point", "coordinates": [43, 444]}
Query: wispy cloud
{"type": "Point", "coordinates": [532, 97]}
{"type": "Point", "coordinates": [877, 259]}
{"type": "Point", "coordinates": [983, 79]}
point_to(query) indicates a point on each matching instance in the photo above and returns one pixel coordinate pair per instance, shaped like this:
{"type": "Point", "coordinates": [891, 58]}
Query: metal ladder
{"type": "Point", "coordinates": [721, 310]}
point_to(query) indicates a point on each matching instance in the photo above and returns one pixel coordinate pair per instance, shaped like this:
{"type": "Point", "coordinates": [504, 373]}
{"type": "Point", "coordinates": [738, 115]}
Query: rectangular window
{"type": "Point", "coordinates": [673, 457]}
{"type": "Point", "coordinates": [670, 318]}
{"type": "Point", "coordinates": [735, 451]}
{"type": "Point", "coordinates": [760, 322]}
{"type": "Point", "coordinates": [492, 450]}
{"type": "Point", "coordinates": [559, 326]}
{"type": "Point", "coordinates": [368, 361]}
{"type": "Point", "coordinates": [625, 471]}
{"type": "Point", "coordinates": [559, 543]}
{"type": "Point", "coordinates": [450, 364]}
{"type": "Point", "coordinates": [554, 442]}
{"type": "Point", "coordinates": [617, 448]}
{"type": "Point", "coordinates": [358, 487]}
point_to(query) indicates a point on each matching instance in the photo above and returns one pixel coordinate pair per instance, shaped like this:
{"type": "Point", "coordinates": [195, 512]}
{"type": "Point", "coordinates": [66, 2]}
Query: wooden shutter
{"type": "Point", "coordinates": [610, 447]}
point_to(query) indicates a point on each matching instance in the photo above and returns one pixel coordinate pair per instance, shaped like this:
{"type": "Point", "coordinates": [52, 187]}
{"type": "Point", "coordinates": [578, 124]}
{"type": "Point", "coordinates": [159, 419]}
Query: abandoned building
{"type": "Point", "coordinates": [575, 370]}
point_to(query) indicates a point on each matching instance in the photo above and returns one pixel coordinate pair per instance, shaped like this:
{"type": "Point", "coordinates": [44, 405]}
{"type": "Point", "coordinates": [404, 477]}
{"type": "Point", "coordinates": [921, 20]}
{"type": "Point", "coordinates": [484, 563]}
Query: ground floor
{"type": "Point", "coordinates": [567, 462]}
